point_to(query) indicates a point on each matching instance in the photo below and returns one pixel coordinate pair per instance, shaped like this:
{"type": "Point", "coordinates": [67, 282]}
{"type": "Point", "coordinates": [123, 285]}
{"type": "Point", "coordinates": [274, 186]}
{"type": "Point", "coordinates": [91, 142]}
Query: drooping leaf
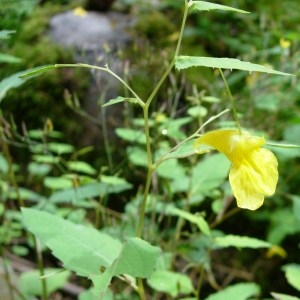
{"type": "Point", "coordinates": [240, 242]}
{"type": "Point", "coordinates": [239, 291]}
{"type": "Point", "coordinates": [171, 283]}
{"type": "Point", "coordinates": [292, 274]}
{"type": "Point", "coordinates": [204, 6]}
{"type": "Point", "coordinates": [184, 62]}
{"type": "Point", "coordinates": [30, 281]}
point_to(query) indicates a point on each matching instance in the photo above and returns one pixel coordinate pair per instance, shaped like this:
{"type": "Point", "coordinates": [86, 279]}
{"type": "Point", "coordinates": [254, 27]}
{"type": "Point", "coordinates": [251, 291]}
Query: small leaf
{"type": "Point", "coordinates": [119, 100]}
{"type": "Point", "coordinates": [171, 283]}
{"type": "Point", "coordinates": [57, 183]}
{"type": "Point", "coordinates": [240, 242]}
{"type": "Point", "coordinates": [6, 58]}
{"type": "Point", "coordinates": [292, 274]}
{"type": "Point", "coordinates": [6, 34]}
{"type": "Point", "coordinates": [239, 291]}
{"type": "Point", "coordinates": [131, 135]}
{"type": "Point", "coordinates": [60, 148]}
{"type": "Point", "coordinates": [184, 150]}
{"type": "Point", "coordinates": [184, 62]}
{"type": "Point", "coordinates": [81, 166]}
{"type": "Point", "coordinates": [193, 218]}
{"type": "Point", "coordinates": [202, 6]}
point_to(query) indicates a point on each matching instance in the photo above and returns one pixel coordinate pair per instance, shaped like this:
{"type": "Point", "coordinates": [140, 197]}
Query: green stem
{"type": "Point", "coordinates": [149, 173]}
{"type": "Point", "coordinates": [232, 102]}
{"type": "Point", "coordinates": [141, 290]}
{"type": "Point", "coordinates": [40, 264]}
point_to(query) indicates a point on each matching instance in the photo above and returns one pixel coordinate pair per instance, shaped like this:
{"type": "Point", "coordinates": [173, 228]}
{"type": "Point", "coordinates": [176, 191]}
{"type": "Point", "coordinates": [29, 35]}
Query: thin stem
{"type": "Point", "coordinates": [8, 278]}
{"type": "Point", "coordinates": [141, 290]}
{"type": "Point", "coordinates": [172, 63]}
{"type": "Point", "coordinates": [40, 264]}
{"type": "Point", "coordinates": [232, 102]}
{"type": "Point", "coordinates": [149, 173]}
{"type": "Point", "coordinates": [107, 70]}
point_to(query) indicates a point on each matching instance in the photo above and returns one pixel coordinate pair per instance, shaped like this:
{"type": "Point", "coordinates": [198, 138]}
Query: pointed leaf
{"type": "Point", "coordinates": [239, 291]}
{"type": "Point", "coordinates": [83, 250]}
{"type": "Point", "coordinates": [279, 296]}
{"type": "Point", "coordinates": [137, 258]}
{"type": "Point", "coordinates": [240, 242]}
{"type": "Point", "coordinates": [119, 100]}
{"type": "Point", "coordinates": [292, 274]}
{"type": "Point", "coordinates": [184, 62]}
{"type": "Point", "coordinates": [202, 6]}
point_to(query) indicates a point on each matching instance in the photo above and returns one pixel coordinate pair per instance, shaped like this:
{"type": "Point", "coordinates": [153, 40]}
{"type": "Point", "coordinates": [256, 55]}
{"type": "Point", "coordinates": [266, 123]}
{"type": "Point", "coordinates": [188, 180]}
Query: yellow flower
{"type": "Point", "coordinates": [253, 172]}
{"type": "Point", "coordinates": [79, 11]}
{"type": "Point", "coordinates": [285, 44]}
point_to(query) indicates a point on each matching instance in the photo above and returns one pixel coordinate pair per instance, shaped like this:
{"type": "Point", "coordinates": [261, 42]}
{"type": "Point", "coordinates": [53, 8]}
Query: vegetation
{"type": "Point", "coordinates": [150, 210]}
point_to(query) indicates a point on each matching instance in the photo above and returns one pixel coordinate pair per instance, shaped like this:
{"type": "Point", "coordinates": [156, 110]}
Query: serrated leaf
{"type": "Point", "coordinates": [93, 248]}
{"type": "Point", "coordinates": [292, 274]}
{"type": "Point", "coordinates": [171, 283]}
{"type": "Point", "coordinates": [204, 6]}
{"type": "Point", "coordinates": [184, 62]}
{"type": "Point", "coordinates": [239, 291]}
{"type": "Point", "coordinates": [240, 242]}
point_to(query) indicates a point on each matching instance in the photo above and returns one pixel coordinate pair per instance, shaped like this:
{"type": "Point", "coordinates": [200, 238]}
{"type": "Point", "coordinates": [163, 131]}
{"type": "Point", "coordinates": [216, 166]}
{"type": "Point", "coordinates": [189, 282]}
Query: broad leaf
{"type": "Point", "coordinates": [202, 6]}
{"type": "Point", "coordinates": [184, 62]}
{"type": "Point", "coordinates": [239, 291]}
{"type": "Point", "coordinates": [83, 250]}
{"type": "Point", "coordinates": [240, 242]}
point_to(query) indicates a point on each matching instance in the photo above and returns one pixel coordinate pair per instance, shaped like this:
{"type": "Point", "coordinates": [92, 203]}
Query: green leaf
{"type": "Point", "coordinates": [193, 218]}
{"type": "Point", "coordinates": [6, 34]}
{"type": "Point", "coordinates": [197, 111]}
{"type": "Point", "coordinates": [57, 182]}
{"type": "Point", "coordinates": [10, 82]}
{"type": "Point", "coordinates": [203, 6]}
{"type": "Point", "coordinates": [83, 250]}
{"type": "Point", "coordinates": [137, 258]}
{"type": "Point", "coordinates": [183, 150]}
{"type": "Point", "coordinates": [6, 58]}
{"type": "Point", "coordinates": [131, 135]}
{"type": "Point", "coordinates": [60, 148]}
{"type": "Point", "coordinates": [119, 99]}
{"type": "Point", "coordinates": [171, 283]}
{"type": "Point", "coordinates": [278, 296]}
{"type": "Point", "coordinates": [209, 174]}
{"type": "Point", "coordinates": [292, 274]}
{"type": "Point", "coordinates": [239, 291]}
{"type": "Point", "coordinates": [240, 242]}
{"type": "Point", "coordinates": [184, 62]}
{"type": "Point", "coordinates": [87, 191]}
{"type": "Point", "coordinates": [36, 71]}
{"type": "Point", "coordinates": [137, 156]}
{"type": "Point", "coordinates": [81, 166]}
{"type": "Point", "coordinates": [30, 281]}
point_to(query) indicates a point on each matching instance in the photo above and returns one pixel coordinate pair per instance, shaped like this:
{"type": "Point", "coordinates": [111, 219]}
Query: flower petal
{"type": "Point", "coordinates": [254, 178]}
